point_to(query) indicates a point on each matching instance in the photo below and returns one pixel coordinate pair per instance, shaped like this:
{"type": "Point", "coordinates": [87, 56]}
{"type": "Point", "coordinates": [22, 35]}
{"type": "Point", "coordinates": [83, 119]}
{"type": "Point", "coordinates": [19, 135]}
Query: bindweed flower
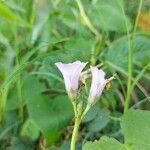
{"type": "Point", "coordinates": [86, 74]}
{"type": "Point", "coordinates": [98, 84]}
{"type": "Point", "coordinates": [71, 73]}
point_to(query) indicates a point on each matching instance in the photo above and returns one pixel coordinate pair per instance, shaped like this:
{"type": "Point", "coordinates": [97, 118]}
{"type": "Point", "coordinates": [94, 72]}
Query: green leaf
{"type": "Point", "coordinates": [12, 102]}
{"type": "Point", "coordinates": [30, 130]}
{"type": "Point", "coordinates": [19, 144]}
{"type": "Point", "coordinates": [141, 46]}
{"type": "Point", "coordinates": [79, 48]}
{"type": "Point", "coordinates": [20, 69]}
{"type": "Point", "coordinates": [76, 49]}
{"type": "Point", "coordinates": [91, 114]}
{"type": "Point", "coordinates": [119, 50]}
{"type": "Point", "coordinates": [137, 147]}
{"type": "Point", "coordinates": [100, 121]}
{"type": "Point", "coordinates": [105, 143]}
{"type": "Point", "coordinates": [135, 125]}
{"type": "Point", "coordinates": [49, 114]}
{"type": "Point", "coordinates": [10, 15]}
{"type": "Point", "coordinates": [108, 15]}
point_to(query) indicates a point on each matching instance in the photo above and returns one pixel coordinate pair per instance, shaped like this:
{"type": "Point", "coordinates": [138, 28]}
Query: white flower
{"type": "Point", "coordinates": [98, 84]}
{"type": "Point", "coordinates": [71, 73]}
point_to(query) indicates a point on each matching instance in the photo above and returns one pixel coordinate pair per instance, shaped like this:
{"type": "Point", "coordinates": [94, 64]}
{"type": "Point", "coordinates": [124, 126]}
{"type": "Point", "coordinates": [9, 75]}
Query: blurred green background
{"type": "Point", "coordinates": [35, 112]}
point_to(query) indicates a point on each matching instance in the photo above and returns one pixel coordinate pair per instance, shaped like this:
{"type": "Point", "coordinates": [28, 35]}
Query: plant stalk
{"type": "Point", "coordinates": [78, 118]}
{"type": "Point", "coordinates": [87, 21]}
{"type": "Point", "coordinates": [20, 100]}
{"type": "Point", "coordinates": [75, 132]}
{"type": "Point", "coordinates": [3, 97]}
{"type": "Point", "coordinates": [19, 90]}
{"type": "Point", "coordinates": [130, 57]}
{"type": "Point", "coordinates": [130, 60]}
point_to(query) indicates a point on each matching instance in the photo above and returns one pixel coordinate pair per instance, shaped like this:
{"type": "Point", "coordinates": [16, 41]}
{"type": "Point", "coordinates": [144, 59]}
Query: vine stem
{"type": "Point", "coordinates": [75, 132]}
{"type": "Point", "coordinates": [74, 107]}
{"type": "Point", "coordinates": [87, 21]}
{"type": "Point", "coordinates": [130, 56]}
{"type": "Point", "coordinates": [78, 118]}
{"type": "Point", "coordinates": [86, 110]}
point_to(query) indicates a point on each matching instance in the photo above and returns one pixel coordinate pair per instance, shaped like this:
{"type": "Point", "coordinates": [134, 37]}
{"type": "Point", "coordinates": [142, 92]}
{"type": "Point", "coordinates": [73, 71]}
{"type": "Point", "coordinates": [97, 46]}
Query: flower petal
{"type": "Point", "coordinates": [71, 73]}
{"type": "Point", "coordinates": [98, 83]}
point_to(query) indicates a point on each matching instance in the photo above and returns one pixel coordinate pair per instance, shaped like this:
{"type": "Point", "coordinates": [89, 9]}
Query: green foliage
{"type": "Point", "coordinates": [135, 125]}
{"type": "Point", "coordinates": [109, 15]}
{"type": "Point", "coordinates": [36, 34]}
{"type": "Point", "coordinates": [119, 50]}
{"type": "Point", "coordinates": [18, 144]}
{"type": "Point", "coordinates": [48, 113]}
{"type": "Point", "coordinates": [12, 102]}
{"type": "Point", "coordinates": [105, 143]}
{"type": "Point", "coordinates": [10, 15]}
{"type": "Point", "coordinates": [91, 114]}
{"type": "Point", "coordinates": [100, 121]}
{"type": "Point", "coordinates": [79, 48]}
{"type": "Point", "coordinates": [30, 130]}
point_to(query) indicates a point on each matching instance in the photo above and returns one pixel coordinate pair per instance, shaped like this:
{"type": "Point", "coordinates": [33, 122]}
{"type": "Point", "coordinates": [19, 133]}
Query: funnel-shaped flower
{"type": "Point", "coordinates": [98, 84]}
{"type": "Point", "coordinates": [71, 73]}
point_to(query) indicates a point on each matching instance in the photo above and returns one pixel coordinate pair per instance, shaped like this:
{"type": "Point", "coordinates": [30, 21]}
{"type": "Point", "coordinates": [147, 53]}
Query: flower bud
{"type": "Point", "coordinates": [98, 84]}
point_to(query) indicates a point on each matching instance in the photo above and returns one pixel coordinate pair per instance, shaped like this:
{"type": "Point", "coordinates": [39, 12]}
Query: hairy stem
{"type": "Point", "coordinates": [78, 118]}
{"type": "Point", "coordinates": [75, 132]}
{"type": "Point", "coordinates": [74, 107]}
